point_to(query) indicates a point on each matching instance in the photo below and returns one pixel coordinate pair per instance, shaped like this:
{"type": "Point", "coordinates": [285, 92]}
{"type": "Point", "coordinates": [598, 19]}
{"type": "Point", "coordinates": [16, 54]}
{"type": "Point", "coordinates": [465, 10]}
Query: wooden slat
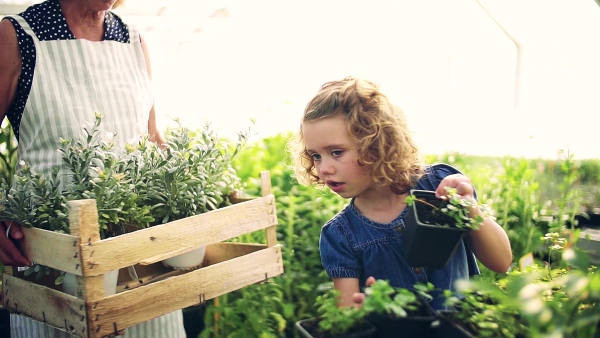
{"type": "Point", "coordinates": [63, 254]}
{"type": "Point", "coordinates": [220, 252]}
{"type": "Point", "coordinates": [141, 304]}
{"type": "Point", "coordinates": [215, 253]}
{"type": "Point", "coordinates": [83, 223]}
{"type": "Point", "coordinates": [157, 243]}
{"type": "Point", "coordinates": [266, 189]}
{"type": "Point", "coordinates": [83, 220]}
{"type": "Point", "coordinates": [46, 305]}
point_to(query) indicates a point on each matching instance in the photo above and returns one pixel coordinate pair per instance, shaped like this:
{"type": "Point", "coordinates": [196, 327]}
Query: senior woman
{"type": "Point", "coordinates": [61, 61]}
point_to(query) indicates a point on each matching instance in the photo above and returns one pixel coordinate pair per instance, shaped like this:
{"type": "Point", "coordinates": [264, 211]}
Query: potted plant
{"type": "Point", "coordinates": [191, 175]}
{"type": "Point", "coordinates": [143, 186]}
{"type": "Point", "coordinates": [386, 312]}
{"type": "Point", "coordinates": [435, 226]}
{"type": "Point", "coordinates": [558, 301]}
{"type": "Point", "coordinates": [334, 321]}
{"type": "Point", "coordinates": [399, 312]}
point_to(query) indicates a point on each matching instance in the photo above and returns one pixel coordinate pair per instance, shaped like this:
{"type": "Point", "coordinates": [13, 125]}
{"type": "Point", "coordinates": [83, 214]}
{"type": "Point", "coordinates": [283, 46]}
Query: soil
{"type": "Point", "coordinates": [429, 215]}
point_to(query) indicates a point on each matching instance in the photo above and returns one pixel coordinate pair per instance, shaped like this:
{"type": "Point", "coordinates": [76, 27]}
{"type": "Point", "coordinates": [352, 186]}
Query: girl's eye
{"type": "Point", "coordinates": [315, 157]}
{"type": "Point", "coordinates": [336, 153]}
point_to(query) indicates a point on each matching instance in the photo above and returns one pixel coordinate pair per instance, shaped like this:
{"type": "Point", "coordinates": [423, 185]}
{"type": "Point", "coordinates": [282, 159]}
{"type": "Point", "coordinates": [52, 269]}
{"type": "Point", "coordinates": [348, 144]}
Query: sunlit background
{"type": "Point", "coordinates": [488, 77]}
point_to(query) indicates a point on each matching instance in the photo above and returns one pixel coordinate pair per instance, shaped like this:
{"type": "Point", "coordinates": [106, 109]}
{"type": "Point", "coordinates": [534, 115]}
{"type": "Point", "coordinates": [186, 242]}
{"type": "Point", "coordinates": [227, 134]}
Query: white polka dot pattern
{"type": "Point", "coordinates": [47, 27]}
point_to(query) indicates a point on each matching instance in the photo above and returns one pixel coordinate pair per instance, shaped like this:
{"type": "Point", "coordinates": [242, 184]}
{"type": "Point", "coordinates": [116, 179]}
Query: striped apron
{"type": "Point", "coordinates": [73, 80]}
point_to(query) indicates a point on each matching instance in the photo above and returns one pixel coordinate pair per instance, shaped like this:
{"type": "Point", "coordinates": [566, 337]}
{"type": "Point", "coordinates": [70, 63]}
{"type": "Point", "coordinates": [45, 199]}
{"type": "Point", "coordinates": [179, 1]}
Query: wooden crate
{"type": "Point", "coordinates": [227, 266]}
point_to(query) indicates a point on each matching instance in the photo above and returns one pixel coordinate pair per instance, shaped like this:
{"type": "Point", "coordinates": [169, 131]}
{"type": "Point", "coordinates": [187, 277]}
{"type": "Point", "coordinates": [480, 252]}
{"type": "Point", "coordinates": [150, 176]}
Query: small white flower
{"type": "Point", "coordinates": [533, 306]}
{"type": "Point", "coordinates": [462, 285]}
{"type": "Point", "coordinates": [577, 287]}
{"type": "Point", "coordinates": [545, 316]}
{"type": "Point", "coordinates": [568, 254]}
{"type": "Point", "coordinates": [530, 291]}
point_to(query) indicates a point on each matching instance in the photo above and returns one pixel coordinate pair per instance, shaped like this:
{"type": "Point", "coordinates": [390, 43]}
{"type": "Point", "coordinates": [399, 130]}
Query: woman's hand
{"type": "Point", "coordinates": [10, 255]}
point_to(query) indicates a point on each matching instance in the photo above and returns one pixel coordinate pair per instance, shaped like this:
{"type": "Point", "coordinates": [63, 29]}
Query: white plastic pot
{"type": "Point", "coordinates": [188, 260]}
{"type": "Point", "coordinates": [69, 283]}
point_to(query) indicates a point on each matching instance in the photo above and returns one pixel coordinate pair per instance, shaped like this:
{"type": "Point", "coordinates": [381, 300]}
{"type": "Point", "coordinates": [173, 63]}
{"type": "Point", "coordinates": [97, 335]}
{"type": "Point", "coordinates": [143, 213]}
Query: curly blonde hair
{"type": "Point", "coordinates": [385, 146]}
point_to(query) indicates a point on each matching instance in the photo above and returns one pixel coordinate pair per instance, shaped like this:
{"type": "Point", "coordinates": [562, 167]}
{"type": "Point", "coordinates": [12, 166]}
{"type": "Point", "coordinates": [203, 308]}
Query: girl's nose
{"type": "Point", "coordinates": [326, 168]}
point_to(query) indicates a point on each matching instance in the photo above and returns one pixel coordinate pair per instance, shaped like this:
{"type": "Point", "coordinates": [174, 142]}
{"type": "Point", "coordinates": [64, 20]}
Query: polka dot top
{"type": "Point", "coordinates": [48, 23]}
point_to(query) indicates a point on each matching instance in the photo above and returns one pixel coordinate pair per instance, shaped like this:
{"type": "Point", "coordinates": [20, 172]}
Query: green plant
{"type": "Point", "coordinates": [97, 172]}
{"type": "Point", "coordinates": [337, 320]}
{"type": "Point", "coordinates": [556, 244]}
{"type": "Point", "coordinates": [140, 187]}
{"type": "Point", "coordinates": [382, 298]}
{"type": "Point", "coordinates": [193, 174]}
{"type": "Point", "coordinates": [531, 303]}
{"type": "Point", "coordinates": [453, 209]}
{"type": "Point", "coordinates": [8, 152]}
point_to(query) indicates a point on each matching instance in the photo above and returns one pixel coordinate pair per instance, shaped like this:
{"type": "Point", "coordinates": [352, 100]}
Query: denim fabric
{"type": "Point", "coordinates": [353, 246]}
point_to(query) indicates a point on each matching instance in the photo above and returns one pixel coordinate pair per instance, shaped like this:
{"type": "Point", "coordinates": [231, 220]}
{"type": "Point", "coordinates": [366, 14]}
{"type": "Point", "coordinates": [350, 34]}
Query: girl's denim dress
{"type": "Point", "coordinates": [353, 246]}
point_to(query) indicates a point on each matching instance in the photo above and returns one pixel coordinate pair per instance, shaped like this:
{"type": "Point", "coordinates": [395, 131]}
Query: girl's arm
{"type": "Point", "coordinates": [490, 243]}
{"type": "Point", "coordinates": [347, 287]}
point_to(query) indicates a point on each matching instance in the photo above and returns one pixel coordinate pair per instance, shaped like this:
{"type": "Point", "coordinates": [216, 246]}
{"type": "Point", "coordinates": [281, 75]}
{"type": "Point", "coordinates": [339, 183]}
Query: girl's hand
{"type": "Point", "coordinates": [359, 297]}
{"type": "Point", "coordinates": [460, 182]}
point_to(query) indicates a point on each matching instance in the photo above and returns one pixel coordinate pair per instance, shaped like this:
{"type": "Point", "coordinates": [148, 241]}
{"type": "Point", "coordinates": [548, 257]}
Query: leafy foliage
{"type": "Point", "coordinates": [454, 209]}
{"type": "Point", "coordinates": [337, 320]}
{"type": "Point", "coordinates": [565, 302]}
{"type": "Point", "coordinates": [382, 298]}
{"type": "Point", "coordinates": [143, 186]}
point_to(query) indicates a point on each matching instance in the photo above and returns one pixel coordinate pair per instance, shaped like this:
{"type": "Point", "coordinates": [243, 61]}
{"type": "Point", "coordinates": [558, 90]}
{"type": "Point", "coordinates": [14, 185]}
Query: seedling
{"type": "Point", "coordinates": [451, 210]}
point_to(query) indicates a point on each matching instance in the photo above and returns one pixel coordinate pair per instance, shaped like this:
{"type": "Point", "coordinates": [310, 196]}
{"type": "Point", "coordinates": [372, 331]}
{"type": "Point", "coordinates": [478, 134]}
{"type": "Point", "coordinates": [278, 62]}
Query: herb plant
{"type": "Point", "coordinates": [382, 298]}
{"type": "Point", "coordinates": [531, 302]}
{"type": "Point", "coordinates": [143, 186]}
{"type": "Point", "coordinates": [337, 320]}
{"type": "Point", "coordinates": [454, 209]}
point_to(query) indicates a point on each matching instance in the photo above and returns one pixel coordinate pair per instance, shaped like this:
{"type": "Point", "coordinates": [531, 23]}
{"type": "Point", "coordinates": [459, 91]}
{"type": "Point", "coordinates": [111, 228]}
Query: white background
{"type": "Point", "coordinates": [491, 77]}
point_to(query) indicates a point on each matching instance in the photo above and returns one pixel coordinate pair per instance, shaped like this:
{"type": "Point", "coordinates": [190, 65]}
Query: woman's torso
{"type": "Point", "coordinates": [65, 81]}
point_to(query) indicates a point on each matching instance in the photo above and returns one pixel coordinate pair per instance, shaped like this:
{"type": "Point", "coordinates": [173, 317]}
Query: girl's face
{"type": "Point", "coordinates": [335, 156]}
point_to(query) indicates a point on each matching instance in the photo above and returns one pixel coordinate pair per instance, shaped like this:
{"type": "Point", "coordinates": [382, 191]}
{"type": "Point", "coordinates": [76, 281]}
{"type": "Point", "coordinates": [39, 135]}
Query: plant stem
{"type": "Point", "coordinates": [427, 203]}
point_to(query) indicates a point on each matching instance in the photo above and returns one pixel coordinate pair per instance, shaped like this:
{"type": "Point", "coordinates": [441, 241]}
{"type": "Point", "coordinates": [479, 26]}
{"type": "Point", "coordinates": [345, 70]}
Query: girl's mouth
{"type": "Point", "coordinates": [335, 186]}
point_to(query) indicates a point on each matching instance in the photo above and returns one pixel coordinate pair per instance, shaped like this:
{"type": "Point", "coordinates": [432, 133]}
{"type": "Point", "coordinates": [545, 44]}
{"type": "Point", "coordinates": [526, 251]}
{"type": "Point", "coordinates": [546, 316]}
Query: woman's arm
{"type": "Point", "coordinates": [10, 66]}
{"type": "Point", "coordinates": [153, 131]}
{"type": "Point", "coordinates": [10, 69]}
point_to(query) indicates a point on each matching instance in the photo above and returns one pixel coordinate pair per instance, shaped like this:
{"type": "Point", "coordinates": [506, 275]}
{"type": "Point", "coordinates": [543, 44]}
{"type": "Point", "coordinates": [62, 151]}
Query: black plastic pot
{"type": "Point", "coordinates": [449, 328]}
{"type": "Point", "coordinates": [309, 328]}
{"type": "Point", "coordinates": [417, 324]}
{"type": "Point", "coordinates": [429, 244]}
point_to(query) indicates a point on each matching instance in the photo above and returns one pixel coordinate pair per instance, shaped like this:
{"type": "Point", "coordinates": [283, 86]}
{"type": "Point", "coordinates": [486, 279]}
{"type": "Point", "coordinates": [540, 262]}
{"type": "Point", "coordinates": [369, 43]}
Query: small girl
{"type": "Point", "coordinates": [356, 142]}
